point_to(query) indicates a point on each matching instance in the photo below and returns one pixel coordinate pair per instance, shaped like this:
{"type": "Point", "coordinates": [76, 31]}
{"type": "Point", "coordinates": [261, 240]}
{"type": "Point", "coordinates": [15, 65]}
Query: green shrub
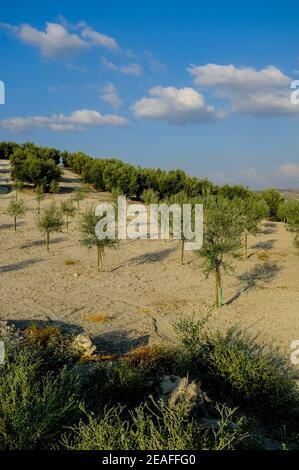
{"type": "Point", "coordinates": [34, 406]}
{"type": "Point", "coordinates": [154, 427]}
{"type": "Point", "coordinates": [237, 371]}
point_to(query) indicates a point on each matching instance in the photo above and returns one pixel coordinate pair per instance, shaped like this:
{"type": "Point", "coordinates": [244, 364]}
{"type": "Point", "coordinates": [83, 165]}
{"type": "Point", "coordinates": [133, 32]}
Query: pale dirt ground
{"type": "Point", "coordinates": [143, 289]}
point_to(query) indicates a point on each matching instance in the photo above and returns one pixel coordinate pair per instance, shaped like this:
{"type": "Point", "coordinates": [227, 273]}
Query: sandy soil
{"type": "Point", "coordinates": [143, 289]}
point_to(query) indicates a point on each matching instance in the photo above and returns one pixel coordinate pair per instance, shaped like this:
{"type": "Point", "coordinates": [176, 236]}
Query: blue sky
{"type": "Point", "coordinates": [204, 86]}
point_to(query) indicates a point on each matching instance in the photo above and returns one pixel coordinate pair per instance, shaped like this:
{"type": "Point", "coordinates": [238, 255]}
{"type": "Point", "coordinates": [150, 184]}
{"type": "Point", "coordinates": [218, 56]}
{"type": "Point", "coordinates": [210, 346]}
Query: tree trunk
{"type": "Point", "coordinates": [67, 222]}
{"type": "Point", "coordinates": [100, 258]}
{"type": "Point", "coordinates": [47, 240]}
{"type": "Point", "coordinates": [245, 245]}
{"type": "Point", "coordinates": [218, 287]}
{"type": "Point", "coordinates": [15, 223]}
{"type": "Point", "coordinates": [38, 208]}
{"type": "Point", "coordinates": [182, 250]}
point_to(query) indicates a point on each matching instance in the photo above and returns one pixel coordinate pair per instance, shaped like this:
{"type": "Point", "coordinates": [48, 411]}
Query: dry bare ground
{"type": "Point", "coordinates": [143, 288]}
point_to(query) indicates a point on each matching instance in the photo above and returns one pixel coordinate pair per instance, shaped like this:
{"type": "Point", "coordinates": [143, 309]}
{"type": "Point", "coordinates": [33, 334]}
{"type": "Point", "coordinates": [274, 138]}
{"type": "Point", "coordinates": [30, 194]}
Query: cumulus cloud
{"type": "Point", "coordinates": [290, 170]}
{"type": "Point", "coordinates": [127, 69]}
{"type": "Point", "coordinates": [265, 104]}
{"type": "Point", "coordinates": [79, 119]}
{"type": "Point", "coordinates": [230, 76]}
{"type": "Point", "coordinates": [262, 92]}
{"type": "Point", "coordinates": [57, 40]}
{"type": "Point", "coordinates": [177, 106]}
{"type": "Point", "coordinates": [109, 95]}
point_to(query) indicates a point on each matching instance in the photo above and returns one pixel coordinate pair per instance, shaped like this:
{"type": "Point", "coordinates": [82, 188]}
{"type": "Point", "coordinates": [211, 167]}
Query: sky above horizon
{"type": "Point", "coordinates": [202, 86]}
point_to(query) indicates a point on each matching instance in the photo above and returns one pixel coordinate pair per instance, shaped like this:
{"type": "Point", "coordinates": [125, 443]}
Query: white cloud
{"type": "Point", "coordinates": [177, 106]}
{"type": "Point", "coordinates": [57, 40]}
{"type": "Point", "coordinates": [54, 41]}
{"type": "Point", "coordinates": [109, 95]}
{"type": "Point", "coordinates": [98, 39]}
{"type": "Point", "coordinates": [251, 173]}
{"type": "Point", "coordinates": [230, 76]}
{"type": "Point", "coordinates": [262, 92]}
{"type": "Point", "coordinates": [79, 119]}
{"type": "Point", "coordinates": [265, 104]}
{"type": "Point", "coordinates": [290, 170]}
{"type": "Point", "coordinates": [127, 69]}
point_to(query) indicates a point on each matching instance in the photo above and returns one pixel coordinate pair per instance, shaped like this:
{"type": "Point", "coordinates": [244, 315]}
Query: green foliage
{"type": "Point", "coordinates": [54, 187]}
{"type": "Point", "coordinates": [50, 221]}
{"type": "Point", "coordinates": [233, 368]}
{"type": "Point", "coordinates": [149, 196]}
{"type": "Point", "coordinates": [35, 166]}
{"type": "Point", "coordinates": [88, 222]}
{"type": "Point", "coordinates": [273, 199]}
{"type": "Point", "coordinates": [78, 196]}
{"type": "Point", "coordinates": [34, 406]}
{"type": "Point", "coordinates": [154, 426]}
{"type": "Point", "coordinates": [68, 209]}
{"type": "Point", "coordinates": [39, 196]}
{"type": "Point", "coordinates": [15, 209]}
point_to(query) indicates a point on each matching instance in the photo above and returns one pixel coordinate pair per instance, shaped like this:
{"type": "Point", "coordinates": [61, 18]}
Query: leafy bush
{"type": "Point", "coordinates": [34, 407]}
{"type": "Point", "coordinates": [154, 426]}
{"type": "Point", "coordinates": [237, 371]}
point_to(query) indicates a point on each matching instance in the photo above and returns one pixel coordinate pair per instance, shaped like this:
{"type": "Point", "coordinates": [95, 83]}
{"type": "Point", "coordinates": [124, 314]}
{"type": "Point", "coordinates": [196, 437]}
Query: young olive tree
{"type": "Point", "coordinates": [252, 211]}
{"type": "Point", "coordinates": [88, 222]}
{"type": "Point", "coordinates": [15, 209]}
{"type": "Point", "coordinates": [180, 199]}
{"type": "Point", "coordinates": [68, 209]}
{"type": "Point", "coordinates": [78, 196]}
{"type": "Point", "coordinates": [50, 221]}
{"type": "Point", "coordinates": [222, 237]}
{"type": "Point", "coordinates": [39, 196]}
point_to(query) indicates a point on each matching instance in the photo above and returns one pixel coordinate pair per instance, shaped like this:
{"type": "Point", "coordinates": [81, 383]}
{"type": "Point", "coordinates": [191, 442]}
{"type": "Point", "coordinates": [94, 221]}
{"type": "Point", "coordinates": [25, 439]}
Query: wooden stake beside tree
{"type": "Point", "coordinates": [15, 209]}
{"type": "Point", "coordinates": [50, 221]}
{"type": "Point", "coordinates": [88, 224]}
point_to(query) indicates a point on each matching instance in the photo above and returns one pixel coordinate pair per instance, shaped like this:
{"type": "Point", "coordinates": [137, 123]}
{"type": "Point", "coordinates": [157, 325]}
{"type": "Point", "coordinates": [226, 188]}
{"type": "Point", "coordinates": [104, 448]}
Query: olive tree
{"type": "Point", "coordinates": [50, 221]}
{"type": "Point", "coordinates": [39, 196]}
{"type": "Point", "coordinates": [68, 209]}
{"type": "Point", "coordinates": [78, 196]}
{"type": "Point", "coordinates": [222, 232]}
{"type": "Point", "coordinates": [15, 209]}
{"type": "Point", "coordinates": [252, 211]}
{"type": "Point", "coordinates": [88, 222]}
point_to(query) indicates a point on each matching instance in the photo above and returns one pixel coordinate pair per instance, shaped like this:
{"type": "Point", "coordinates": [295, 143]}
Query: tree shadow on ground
{"type": "Point", "coordinates": [20, 265]}
{"type": "Point", "coordinates": [118, 342]}
{"type": "Point", "coordinates": [5, 226]}
{"type": "Point", "coordinates": [259, 274]}
{"type": "Point", "coordinates": [152, 257]}
{"type": "Point", "coordinates": [42, 242]}
{"type": "Point", "coordinates": [266, 245]}
{"type": "Point", "coordinates": [69, 328]}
